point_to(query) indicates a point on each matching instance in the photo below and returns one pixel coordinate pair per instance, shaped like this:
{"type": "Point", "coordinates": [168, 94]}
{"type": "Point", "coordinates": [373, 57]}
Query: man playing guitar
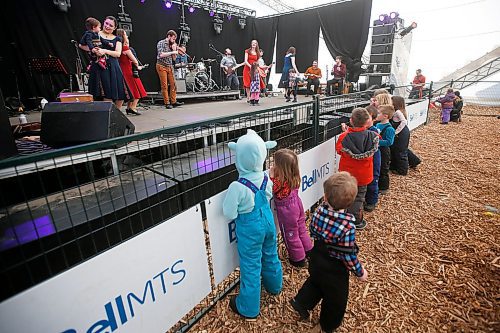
{"type": "Point", "coordinates": [313, 74]}
{"type": "Point", "coordinates": [229, 65]}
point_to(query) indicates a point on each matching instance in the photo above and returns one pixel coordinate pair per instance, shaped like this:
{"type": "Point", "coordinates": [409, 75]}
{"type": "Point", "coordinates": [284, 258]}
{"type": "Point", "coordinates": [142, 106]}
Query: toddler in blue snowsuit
{"type": "Point", "coordinates": [247, 202]}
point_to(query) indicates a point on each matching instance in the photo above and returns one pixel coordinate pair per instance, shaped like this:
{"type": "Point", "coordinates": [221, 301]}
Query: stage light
{"type": "Point", "coordinates": [394, 15]}
{"type": "Point", "coordinates": [63, 5]}
{"type": "Point", "coordinates": [191, 8]}
{"type": "Point", "coordinates": [382, 17]}
{"type": "Point", "coordinates": [242, 22]}
{"type": "Point", "coordinates": [211, 13]}
{"type": "Point", "coordinates": [217, 24]}
{"type": "Point", "coordinates": [407, 30]}
{"type": "Point", "coordinates": [143, 1]}
{"type": "Point", "coordinates": [229, 17]}
{"type": "Point", "coordinates": [168, 4]}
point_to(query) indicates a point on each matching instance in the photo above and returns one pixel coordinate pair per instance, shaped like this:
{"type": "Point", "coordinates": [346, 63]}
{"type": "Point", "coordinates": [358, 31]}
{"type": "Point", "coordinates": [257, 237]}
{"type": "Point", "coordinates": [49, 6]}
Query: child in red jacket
{"type": "Point", "coordinates": [356, 147]}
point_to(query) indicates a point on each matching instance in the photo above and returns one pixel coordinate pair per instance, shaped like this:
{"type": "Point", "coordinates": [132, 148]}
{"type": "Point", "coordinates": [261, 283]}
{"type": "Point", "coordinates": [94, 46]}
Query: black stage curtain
{"type": "Point", "coordinates": [39, 29]}
{"type": "Point", "coordinates": [300, 30]}
{"type": "Point", "coordinates": [345, 28]}
{"type": "Point", "coordinates": [265, 32]}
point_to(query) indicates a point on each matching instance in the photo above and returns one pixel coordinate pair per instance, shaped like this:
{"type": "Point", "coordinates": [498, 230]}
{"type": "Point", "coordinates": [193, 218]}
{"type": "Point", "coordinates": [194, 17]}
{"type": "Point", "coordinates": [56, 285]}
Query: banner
{"type": "Point", "coordinates": [146, 284]}
{"type": "Point", "coordinates": [316, 165]}
{"type": "Point", "coordinates": [417, 114]}
{"type": "Point", "coordinates": [222, 233]}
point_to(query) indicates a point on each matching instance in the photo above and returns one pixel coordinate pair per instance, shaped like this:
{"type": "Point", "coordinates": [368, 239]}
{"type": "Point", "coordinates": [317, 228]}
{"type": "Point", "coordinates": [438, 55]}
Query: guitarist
{"type": "Point", "coordinates": [263, 71]}
{"type": "Point", "coordinates": [229, 65]}
{"type": "Point", "coordinates": [313, 74]}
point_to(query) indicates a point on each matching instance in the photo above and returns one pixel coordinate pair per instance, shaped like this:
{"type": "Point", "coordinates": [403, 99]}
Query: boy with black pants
{"type": "Point", "coordinates": [356, 147]}
{"type": "Point", "coordinates": [387, 132]}
{"type": "Point", "coordinates": [334, 254]}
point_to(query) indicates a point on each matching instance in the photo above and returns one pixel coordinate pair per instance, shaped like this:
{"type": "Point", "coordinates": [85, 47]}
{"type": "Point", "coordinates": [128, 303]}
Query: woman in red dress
{"type": "Point", "coordinates": [251, 55]}
{"type": "Point", "coordinates": [126, 60]}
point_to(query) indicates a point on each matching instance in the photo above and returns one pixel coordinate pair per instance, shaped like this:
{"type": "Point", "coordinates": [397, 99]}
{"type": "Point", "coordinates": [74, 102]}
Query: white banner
{"type": "Point", "coordinates": [143, 285]}
{"type": "Point", "coordinates": [417, 114]}
{"type": "Point", "coordinates": [316, 165]}
{"type": "Point", "coordinates": [222, 233]}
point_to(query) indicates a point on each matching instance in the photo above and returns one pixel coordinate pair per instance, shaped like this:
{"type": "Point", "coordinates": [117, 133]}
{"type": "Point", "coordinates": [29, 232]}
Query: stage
{"type": "Point", "coordinates": [155, 116]}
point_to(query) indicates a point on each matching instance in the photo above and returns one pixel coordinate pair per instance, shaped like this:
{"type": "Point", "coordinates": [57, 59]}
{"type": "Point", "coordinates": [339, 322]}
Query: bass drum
{"type": "Point", "coordinates": [197, 81]}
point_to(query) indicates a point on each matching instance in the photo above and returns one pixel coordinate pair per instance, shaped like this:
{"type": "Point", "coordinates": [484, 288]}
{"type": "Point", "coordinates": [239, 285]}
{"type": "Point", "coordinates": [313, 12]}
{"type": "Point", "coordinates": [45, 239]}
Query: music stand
{"type": "Point", "coordinates": [47, 65]}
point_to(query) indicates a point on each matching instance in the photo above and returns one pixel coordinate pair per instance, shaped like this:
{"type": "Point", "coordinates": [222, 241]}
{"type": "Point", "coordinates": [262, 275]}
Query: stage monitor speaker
{"type": "Point", "coordinates": [180, 85]}
{"type": "Point", "coordinates": [7, 144]}
{"type": "Point", "coordinates": [68, 124]}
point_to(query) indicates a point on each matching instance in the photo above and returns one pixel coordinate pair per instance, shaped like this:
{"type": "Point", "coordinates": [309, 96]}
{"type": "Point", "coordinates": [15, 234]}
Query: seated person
{"type": "Point", "coordinates": [339, 73]}
{"type": "Point", "coordinates": [456, 112]}
{"type": "Point", "coordinates": [313, 74]}
{"type": "Point", "coordinates": [418, 85]}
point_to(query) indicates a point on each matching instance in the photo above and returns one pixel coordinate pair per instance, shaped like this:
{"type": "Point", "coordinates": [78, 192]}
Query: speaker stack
{"type": "Point", "coordinates": [68, 124]}
{"type": "Point", "coordinates": [381, 52]}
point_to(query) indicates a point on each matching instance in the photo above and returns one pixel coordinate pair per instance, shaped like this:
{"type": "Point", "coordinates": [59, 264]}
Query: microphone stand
{"type": "Point", "coordinates": [78, 67]}
{"type": "Point", "coordinates": [221, 55]}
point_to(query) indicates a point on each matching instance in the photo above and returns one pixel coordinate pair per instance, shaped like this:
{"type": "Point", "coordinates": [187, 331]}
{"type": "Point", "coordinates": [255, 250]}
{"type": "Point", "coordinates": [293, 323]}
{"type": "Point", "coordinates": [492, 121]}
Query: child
{"type": "Point", "coordinates": [371, 197]}
{"type": "Point", "coordinates": [292, 85]}
{"type": "Point", "coordinates": [247, 202]}
{"type": "Point", "coordinates": [446, 105]}
{"type": "Point", "coordinates": [334, 254]}
{"type": "Point", "coordinates": [356, 147]}
{"type": "Point", "coordinates": [456, 112]}
{"type": "Point", "coordinates": [399, 150]}
{"type": "Point", "coordinates": [91, 39]}
{"type": "Point", "coordinates": [387, 132]}
{"type": "Point", "coordinates": [254, 84]}
{"type": "Point", "coordinates": [291, 218]}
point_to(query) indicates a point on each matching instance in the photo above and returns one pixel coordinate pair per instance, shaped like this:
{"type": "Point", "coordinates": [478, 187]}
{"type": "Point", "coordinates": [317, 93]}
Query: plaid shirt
{"type": "Point", "coordinates": [334, 228]}
{"type": "Point", "coordinates": [163, 46]}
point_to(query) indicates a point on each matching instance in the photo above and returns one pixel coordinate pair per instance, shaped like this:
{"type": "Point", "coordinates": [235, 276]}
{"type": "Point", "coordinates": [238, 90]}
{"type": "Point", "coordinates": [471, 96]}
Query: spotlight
{"type": "Point", "coordinates": [242, 22]}
{"type": "Point", "coordinates": [229, 17]}
{"type": "Point", "coordinates": [211, 13]}
{"type": "Point", "coordinates": [143, 1]}
{"type": "Point", "coordinates": [217, 24]}
{"type": "Point", "coordinates": [62, 5]}
{"type": "Point", "coordinates": [394, 15]}
{"type": "Point", "coordinates": [407, 30]}
{"type": "Point", "coordinates": [191, 8]}
{"type": "Point", "coordinates": [168, 4]}
{"type": "Point", "coordinates": [382, 17]}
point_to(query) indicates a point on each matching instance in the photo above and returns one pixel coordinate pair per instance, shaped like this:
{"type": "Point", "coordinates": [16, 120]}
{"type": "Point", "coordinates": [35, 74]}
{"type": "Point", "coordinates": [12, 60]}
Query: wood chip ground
{"type": "Point", "coordinates": [432, 247]}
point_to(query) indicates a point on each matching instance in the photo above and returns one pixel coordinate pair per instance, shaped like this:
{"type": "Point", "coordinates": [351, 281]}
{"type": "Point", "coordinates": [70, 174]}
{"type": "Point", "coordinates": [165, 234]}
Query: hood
{"type": "Point", "coordinates": [251, 152]}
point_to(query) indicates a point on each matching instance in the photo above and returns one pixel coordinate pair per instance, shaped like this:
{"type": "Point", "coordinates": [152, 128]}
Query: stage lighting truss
{"type": "Point", "coordinates": [218, 7]}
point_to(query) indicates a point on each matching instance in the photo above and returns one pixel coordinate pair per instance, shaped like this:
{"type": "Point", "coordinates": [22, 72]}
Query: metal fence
{"type": "Point", "coordinates": [62, 207]}
{"type": "Point", "coordinates": [480, 93]}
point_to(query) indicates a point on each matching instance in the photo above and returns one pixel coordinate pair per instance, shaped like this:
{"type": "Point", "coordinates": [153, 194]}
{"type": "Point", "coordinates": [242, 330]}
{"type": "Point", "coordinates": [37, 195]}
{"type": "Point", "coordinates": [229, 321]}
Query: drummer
{"type": "Point", "coordinates": [229, 65]}
{"type": "Point", "coordinates": [181, 63]}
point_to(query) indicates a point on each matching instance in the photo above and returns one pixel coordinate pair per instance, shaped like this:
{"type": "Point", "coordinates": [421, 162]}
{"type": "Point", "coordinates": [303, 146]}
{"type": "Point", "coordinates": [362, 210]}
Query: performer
{"type": "Point", "coordinates": [167, 52]}
{"type": "Point", "coordinates": [126, 60]}
{"type": "Point", "coordinates": [107, 83]}
{"type": "Point", "coordinates": [313, 74]}
{"type": "Point", "coordinates": [251, 56]}
{"type": "Point", "coordinates": [229, 65]}
{"type": "Point", "coordinates": [418, 85]}
{"type": "Point", "coordinates": [288, 64]}
{"type": "Point", "coordinates": [181, 63]}
{"type": "Point", "coordinates": [339, 71]}
{"type": "Point", "coordinates": [263, 71]}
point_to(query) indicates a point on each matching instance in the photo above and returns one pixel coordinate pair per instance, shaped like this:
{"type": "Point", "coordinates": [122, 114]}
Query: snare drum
{"type": "Point", "coordinates": [200, 67]}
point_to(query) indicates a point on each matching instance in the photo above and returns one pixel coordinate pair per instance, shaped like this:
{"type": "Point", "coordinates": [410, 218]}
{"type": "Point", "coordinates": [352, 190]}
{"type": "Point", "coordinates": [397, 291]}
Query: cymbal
{"type": "Point", "coordinates": [208, 60]}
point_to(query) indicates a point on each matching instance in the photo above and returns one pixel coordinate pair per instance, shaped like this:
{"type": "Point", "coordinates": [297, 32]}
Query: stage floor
{"type": "Point", "coordinates": [157, 116]}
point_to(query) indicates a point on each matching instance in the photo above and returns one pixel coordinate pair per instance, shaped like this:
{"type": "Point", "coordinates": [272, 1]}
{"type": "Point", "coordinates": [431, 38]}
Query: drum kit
{"type": "Point", "coordinates": [198, 76]}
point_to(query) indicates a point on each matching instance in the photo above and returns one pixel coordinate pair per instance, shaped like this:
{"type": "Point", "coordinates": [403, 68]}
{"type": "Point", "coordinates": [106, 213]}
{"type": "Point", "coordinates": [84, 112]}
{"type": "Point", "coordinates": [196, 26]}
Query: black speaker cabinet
{"type": "Point", "coordinates": [7, 144]}
{"type": "Point", "coordinates": [67, 124]}
{"type": "Point", "coordinates": [381, 49]}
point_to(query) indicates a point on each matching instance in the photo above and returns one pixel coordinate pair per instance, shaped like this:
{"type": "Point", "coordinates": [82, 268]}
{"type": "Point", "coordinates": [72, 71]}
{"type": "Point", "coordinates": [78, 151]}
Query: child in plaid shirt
{"type": "Point", "coordinates": [334, 254]}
